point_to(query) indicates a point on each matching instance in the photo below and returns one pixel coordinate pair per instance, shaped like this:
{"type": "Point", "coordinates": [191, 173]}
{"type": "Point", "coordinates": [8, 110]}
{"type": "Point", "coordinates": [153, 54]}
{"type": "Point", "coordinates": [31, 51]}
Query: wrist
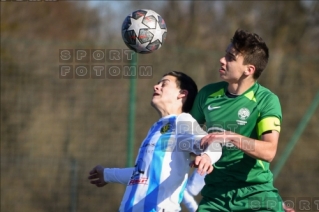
{"type": "Point", "coordinates": [206, 155]}
{"type": "Point", "coordinates": [236, 140]}
{"type": "Point", "coordinates": [106, 173]}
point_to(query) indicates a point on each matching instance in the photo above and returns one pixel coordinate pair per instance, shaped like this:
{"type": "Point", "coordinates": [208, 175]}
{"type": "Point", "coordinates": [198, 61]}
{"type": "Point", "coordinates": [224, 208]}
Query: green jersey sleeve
{"type": "Point", "coordinates": [270, 115]}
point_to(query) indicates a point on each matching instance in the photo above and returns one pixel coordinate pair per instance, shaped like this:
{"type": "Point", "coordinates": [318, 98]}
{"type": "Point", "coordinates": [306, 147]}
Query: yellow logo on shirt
{"type": "Point", "coordinates": [166, 128]}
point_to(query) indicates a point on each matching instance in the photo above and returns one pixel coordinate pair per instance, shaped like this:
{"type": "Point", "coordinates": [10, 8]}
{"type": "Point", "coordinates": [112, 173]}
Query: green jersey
{"type": "Point", "coordinates": [250, 114]}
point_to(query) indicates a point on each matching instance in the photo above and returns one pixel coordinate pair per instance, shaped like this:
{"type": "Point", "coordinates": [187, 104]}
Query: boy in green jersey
{"type": "Point", "coordinates": [245, 117]}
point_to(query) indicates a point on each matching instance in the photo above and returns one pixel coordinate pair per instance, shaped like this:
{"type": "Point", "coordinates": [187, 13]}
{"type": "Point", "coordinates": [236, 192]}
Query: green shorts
{"type": "Point", "coordinates": [260, 197]}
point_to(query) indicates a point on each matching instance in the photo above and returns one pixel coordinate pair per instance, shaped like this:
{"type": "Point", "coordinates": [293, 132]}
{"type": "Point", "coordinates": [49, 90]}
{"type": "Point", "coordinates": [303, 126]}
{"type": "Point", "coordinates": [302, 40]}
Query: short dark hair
{"type": "Point", "coordinates": [185, 82]}
{"type": "Point", "coordinates": [253, 49]}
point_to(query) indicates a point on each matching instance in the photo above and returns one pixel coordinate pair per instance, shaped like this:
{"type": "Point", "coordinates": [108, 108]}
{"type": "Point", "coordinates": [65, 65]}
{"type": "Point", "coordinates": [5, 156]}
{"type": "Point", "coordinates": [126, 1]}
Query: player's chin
{"type": "Point", "coordinates": [154, 102]}
{"type": "Point", "coordinates": [222, 74]}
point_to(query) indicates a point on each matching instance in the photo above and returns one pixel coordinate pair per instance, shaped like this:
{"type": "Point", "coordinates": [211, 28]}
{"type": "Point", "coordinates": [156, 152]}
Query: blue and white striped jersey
{"type": "Point", "coordinates": [162, 165]}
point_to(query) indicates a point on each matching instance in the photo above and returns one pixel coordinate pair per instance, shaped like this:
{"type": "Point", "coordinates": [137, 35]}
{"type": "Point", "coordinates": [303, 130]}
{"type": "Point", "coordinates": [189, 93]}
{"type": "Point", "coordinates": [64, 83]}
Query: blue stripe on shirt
{"type": "Point", "coordinates": [156, 167]}
{"type": "Point", "coordinates": [130, 201]}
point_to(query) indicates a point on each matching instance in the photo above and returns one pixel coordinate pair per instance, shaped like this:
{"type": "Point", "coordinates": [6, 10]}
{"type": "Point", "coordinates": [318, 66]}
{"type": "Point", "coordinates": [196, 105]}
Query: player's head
{"type": "Point", "coordinates": [175, 88]}
{"type": "Point", "coordinates": [185, 82]}
{"type": "Point", "coordinates": [254, 50]}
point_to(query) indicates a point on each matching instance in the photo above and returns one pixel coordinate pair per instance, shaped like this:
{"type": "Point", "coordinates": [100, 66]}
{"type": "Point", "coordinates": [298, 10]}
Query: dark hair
{"type": "Point", "coordinates": [253, 49]}
{"type": "Point", "coordinates": [185, 82]}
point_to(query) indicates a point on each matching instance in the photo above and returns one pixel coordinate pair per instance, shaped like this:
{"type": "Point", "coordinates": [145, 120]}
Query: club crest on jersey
{"type": "Point", "coordinates": [166, 128]}
{"type": "Point", "coordinates": [243, 115]}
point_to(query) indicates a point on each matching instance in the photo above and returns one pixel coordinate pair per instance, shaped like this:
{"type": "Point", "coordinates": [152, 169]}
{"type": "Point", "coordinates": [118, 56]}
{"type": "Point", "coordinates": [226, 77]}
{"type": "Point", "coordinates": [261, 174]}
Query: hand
{"type": "Point", "coordinates": [218, 137]}
{"type": "Point", "coordinates": [96, 176]}
{"type": "Point", "coordinates": [203, 164]}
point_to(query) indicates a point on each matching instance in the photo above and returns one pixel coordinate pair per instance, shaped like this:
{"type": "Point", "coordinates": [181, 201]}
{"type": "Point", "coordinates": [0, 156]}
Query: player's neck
{"type": "Point", "coordinates": [241, 87]}
{"type": "Point", "coordinates": [169, 110]}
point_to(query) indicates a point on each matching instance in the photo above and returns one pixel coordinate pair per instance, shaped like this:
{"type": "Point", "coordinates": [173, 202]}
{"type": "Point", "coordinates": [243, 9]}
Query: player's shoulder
{"type": "Point", "coordinates": [217, 87]}
{"type": "Point", "coordinates": [264, 93]}
{"type": "Point", "coordinates": [185, 123]}
{"type": "Point", "coordinates": [214, 86]}
{"type": "Point", "coordinates": [185, 117]}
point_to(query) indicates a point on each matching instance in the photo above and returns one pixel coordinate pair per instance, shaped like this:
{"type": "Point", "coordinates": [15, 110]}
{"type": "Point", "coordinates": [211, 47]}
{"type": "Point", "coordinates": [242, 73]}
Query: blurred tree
{"type": "Point", "coordinates": [63, 20]}
{"type": "Point", "coordinates": [33, 23]}
{"type": "Point", "coordinates": [31, 32]}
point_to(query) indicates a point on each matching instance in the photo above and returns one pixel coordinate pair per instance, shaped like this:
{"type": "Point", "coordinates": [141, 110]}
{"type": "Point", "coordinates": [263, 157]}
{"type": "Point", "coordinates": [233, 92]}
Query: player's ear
{"type": "Point", "coordinates": [182, 93]}
{"type": "Point", "coordinates": [250, 70]}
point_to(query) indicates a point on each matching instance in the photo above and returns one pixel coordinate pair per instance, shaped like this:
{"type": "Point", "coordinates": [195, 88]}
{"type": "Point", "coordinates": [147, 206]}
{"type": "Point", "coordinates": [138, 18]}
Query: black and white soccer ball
{"type": "Point", "coordinates": [144, 31]}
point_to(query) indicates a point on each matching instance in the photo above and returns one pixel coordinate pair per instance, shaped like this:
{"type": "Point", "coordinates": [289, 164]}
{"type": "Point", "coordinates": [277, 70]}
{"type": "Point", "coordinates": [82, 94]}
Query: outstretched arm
{"type": "Point", "coordinates": [263, 149]}
{"type": "Point", "coordinates": [100, 176]}
{"type": "Point", "coordinates": [118, 175]}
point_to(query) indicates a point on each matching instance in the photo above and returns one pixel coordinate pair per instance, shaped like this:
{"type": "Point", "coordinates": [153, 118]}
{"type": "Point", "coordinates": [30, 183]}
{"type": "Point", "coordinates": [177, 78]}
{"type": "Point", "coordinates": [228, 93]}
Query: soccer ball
{"type": "Point", "coordinates": [144, 31]}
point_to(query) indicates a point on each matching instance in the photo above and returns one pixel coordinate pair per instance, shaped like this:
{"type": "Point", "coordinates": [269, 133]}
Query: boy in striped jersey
{"type": "Point", "coordinates": [158, 180]}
